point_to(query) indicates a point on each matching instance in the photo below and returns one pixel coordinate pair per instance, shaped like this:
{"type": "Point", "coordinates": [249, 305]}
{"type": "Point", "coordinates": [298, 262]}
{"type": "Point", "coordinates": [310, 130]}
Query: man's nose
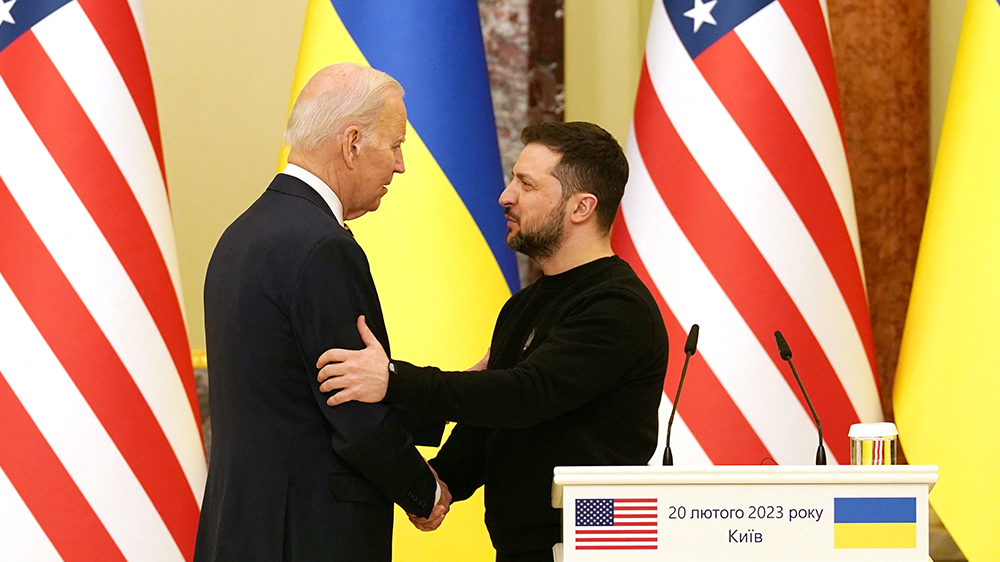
{"type": "Point", "coordinates": [507, 198]}
{"type": "Point", "coordinates": [400, 167]}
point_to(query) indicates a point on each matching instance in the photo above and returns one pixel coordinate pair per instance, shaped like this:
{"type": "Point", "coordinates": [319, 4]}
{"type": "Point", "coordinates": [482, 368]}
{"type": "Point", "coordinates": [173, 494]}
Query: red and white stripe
{"type": "Point", "coordinates": [739, 216]}
{"type": "Point", "coordinates": [102, 456]}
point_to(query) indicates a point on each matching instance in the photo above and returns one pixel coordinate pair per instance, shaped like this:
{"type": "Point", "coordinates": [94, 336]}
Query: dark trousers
{"type": "Point", "coordinates": [533, 556]}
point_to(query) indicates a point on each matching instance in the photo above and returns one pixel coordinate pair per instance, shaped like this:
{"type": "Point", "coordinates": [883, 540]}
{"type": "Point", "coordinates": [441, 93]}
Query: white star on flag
{"type": "Point", "coordinates": [5, 8]}
{"type": "Point", "coordinates": [701, 13]}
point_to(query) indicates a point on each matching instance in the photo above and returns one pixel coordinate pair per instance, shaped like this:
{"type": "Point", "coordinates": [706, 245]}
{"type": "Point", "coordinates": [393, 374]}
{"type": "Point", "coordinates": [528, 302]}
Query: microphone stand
{"type": "Point", "coordinates": [786, 354]}
{"type": "Point", "coordinates": [689, 349]}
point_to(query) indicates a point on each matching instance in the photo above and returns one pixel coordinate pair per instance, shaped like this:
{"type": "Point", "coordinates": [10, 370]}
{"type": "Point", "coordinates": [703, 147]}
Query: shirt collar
{"type": "Point", "coordinates": [320, 187]}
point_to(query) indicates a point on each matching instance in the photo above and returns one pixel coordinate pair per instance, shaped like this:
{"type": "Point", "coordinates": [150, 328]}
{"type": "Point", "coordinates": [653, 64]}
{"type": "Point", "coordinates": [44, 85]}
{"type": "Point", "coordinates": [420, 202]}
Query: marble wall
{"type": "Point", "coordinates": [881, 50]}
{"type": "Point", "coordinates": [506, 37]}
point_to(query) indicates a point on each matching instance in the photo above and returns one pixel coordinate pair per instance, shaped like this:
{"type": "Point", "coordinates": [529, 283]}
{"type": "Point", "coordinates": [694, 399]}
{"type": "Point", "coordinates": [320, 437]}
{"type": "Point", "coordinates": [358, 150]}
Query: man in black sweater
{"type": "Point", "coordinates": [577, 361]}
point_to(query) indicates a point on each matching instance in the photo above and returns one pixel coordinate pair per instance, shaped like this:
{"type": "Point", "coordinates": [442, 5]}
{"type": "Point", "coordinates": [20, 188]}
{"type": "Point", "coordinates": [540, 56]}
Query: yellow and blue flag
{"type": "Point", "coordinates": [437, 243]}
{"type": "Point", "coordinates": [875, 522]}
{"type": "Point", "coordinates": [947, 388]}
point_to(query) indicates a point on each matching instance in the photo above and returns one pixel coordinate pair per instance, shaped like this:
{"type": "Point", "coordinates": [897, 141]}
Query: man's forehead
{"type": "Point", "coordinates": [392, 119]}
{"type": "Point", "coordinates": [536, 159]}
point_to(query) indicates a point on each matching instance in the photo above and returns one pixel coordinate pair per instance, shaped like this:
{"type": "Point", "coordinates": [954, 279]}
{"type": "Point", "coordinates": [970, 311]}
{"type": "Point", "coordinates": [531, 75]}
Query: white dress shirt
{"type": "Point", "coordinates": [320, 187]}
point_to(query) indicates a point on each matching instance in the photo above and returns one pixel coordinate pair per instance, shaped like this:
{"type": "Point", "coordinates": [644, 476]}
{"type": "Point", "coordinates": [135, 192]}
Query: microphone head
{"type": "Point", "coordinates": [783, 348]}
{"type": "Point", "coordinates": [692, 342]}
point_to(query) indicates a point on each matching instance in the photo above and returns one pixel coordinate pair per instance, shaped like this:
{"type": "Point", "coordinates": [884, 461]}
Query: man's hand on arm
{"type": "Point", "coordinates": [434, 520]}
{"type": "Point", "coordinates": [362, 375]}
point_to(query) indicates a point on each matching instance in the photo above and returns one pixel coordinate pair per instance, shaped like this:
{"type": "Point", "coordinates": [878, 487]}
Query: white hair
{"type": "Point", "coordinates": [335, 98]}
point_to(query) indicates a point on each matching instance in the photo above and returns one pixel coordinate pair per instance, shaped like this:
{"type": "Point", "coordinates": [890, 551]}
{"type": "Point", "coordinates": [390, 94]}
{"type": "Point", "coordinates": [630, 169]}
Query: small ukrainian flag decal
{"type": "Point", "coordinates": [875, 522]}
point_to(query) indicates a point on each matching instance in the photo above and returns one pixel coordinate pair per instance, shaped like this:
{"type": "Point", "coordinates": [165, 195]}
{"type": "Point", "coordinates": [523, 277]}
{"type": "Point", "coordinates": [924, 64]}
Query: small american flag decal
{"type": "Point", "coordinates": [615, 524]}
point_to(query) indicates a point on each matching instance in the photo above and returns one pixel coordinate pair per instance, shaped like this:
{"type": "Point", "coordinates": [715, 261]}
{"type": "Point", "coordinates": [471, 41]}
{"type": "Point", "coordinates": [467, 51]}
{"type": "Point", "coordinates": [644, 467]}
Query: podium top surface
{"type": "Point", "coordinates": [737, 475]}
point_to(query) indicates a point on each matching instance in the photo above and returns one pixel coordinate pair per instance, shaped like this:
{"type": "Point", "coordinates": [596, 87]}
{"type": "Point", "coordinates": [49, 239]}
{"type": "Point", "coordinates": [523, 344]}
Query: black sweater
{"type": "Point", "coordinates": [574, 378]}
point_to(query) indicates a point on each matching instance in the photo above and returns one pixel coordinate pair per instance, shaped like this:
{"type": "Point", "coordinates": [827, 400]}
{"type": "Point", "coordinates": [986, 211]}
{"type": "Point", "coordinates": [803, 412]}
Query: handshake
{"type": "Point", "coordinates": [363, 375]}
{"type": "Point", "coordinates": [434, 520]}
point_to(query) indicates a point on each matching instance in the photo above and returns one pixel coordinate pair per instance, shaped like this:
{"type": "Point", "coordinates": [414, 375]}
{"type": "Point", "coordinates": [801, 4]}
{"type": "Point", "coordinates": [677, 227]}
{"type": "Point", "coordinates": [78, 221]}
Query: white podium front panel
{"type": "Point", "coordinates": [837, 513]}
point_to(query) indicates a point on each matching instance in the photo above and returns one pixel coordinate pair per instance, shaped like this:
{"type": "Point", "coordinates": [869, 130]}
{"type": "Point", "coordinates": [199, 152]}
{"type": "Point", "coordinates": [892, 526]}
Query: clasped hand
{"type": "Point", "coordinates": [434, 520]}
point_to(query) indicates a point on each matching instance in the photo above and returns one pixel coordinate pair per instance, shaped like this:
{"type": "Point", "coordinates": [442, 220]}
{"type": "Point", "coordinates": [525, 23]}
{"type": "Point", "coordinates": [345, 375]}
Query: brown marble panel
{"type": "Point", "coordinates": [546, 87]}
{"type": "Point", "coordinates": [505, 35]}
{"type": "Point", "coordinates": [881, 50]}
{"type": "Point", "coordinates": [546, 98]}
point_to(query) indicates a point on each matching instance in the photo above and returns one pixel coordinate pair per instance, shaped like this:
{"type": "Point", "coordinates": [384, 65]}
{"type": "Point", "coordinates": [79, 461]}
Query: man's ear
{"type": "Point", "coordinates": [350, 145]}
{"type": "Point", "coordinates": [583, 205]}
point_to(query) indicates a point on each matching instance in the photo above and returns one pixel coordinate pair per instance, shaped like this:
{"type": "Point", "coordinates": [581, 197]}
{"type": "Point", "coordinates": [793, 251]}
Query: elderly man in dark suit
{"type": "Point", "coordinates": [291, 478]}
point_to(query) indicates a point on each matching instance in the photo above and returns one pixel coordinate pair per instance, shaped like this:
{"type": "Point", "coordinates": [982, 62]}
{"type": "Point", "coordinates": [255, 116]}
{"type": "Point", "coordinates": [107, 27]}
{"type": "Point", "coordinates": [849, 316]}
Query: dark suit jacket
{"type": "Point", "coordinates": [291, 478]}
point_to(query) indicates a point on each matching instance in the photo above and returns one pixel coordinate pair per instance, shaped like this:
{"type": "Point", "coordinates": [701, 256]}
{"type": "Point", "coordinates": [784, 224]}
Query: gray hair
{"type": "Point", "coordinates": [335, 98]}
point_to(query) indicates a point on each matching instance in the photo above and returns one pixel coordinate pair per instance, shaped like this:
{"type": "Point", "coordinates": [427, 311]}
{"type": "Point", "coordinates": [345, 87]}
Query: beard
{"type": "Point", "coordinates": [544, 240]}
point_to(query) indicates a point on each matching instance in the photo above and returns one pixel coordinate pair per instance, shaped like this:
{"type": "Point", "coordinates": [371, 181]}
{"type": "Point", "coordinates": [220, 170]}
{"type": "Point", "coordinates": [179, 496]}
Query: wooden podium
{"type": "Point", "coordinates": [723, 513]}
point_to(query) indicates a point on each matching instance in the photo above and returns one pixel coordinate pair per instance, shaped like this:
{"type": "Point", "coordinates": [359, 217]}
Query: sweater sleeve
{"type": "Point", "coordinates": [600, 339]}
{"type": "Point", "coordinates": [461, 462]}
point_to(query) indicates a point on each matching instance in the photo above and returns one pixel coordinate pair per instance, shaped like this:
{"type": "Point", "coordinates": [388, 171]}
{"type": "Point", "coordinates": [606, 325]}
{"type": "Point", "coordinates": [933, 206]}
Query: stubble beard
{"type": "Point", "coordinates": [544, 240]}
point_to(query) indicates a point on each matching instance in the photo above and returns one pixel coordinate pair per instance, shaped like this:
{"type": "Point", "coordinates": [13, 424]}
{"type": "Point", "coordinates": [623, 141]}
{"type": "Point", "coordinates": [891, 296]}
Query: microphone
{"type": "Point", "coordinates": [689, 349]}
{"type": "Point", "coordinates": [786, 355]}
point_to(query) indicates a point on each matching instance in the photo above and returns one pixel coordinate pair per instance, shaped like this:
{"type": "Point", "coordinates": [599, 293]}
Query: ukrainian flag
{"type": "Point", "coordinates": [947, 386]}
{"type": "Point", "coordinates": [875, 523]}
{"type": "Point", "coordinates": [437, 243]}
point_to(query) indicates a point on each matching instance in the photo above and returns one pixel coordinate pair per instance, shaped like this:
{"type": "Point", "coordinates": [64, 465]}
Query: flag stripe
{"type": "Point", "coordinates": [121, 36]}
{"type": "Point", "coordinates": [614, 531]}
{"type": "Point", "coordinates": [778, 49]}
{"type": "Point", "coordinates": [83, 61]}
{"type": "Point", "coordinates": [70, 525]}
{"type": "Point", "coordinates": [761, 115]}
{"type": "Point", "coordinates": [874, 510]}
{"type": "Point", "coordinates": [735, 262]}
{"type": "Point", "coordinates": [77, 438]}
{"type": "Point", "coordinates": [734, 354]}
{"type": "Point", "coordinates": [811, 26]}
{"type": "Point", "coordinates": [96, 370]}
{"type": "Point", "coordinates": [21, 538]}
{"type": "Point", "coordinates": [76, 244]}
{"type": "Point", "coordinates": [616, 539]}
{"type": "Point", "coordinates": [616, 547]}
{"type": "Point", "coordinates": [51, 109]}
{"type": "Point", "coordinates": [737, 175]}
{"type": "Point", "coordinates": [717, 422]}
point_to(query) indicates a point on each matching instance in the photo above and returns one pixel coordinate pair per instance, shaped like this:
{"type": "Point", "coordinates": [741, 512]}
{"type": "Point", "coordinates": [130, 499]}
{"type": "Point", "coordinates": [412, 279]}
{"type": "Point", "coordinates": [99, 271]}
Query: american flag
{"type": "Point", "coordinates": [615, 524]}
{"type": "Point", "coordinates": [739, 216]}
{"type": "Point", "coordinates": [101, 455]}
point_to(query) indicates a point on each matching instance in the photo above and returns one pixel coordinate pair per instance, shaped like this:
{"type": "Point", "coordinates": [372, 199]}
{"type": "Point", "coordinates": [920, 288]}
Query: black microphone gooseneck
{"type": "Point", "coordinates": [786, 355]}
{"type": "Point", "coordinates": [689, 348]}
